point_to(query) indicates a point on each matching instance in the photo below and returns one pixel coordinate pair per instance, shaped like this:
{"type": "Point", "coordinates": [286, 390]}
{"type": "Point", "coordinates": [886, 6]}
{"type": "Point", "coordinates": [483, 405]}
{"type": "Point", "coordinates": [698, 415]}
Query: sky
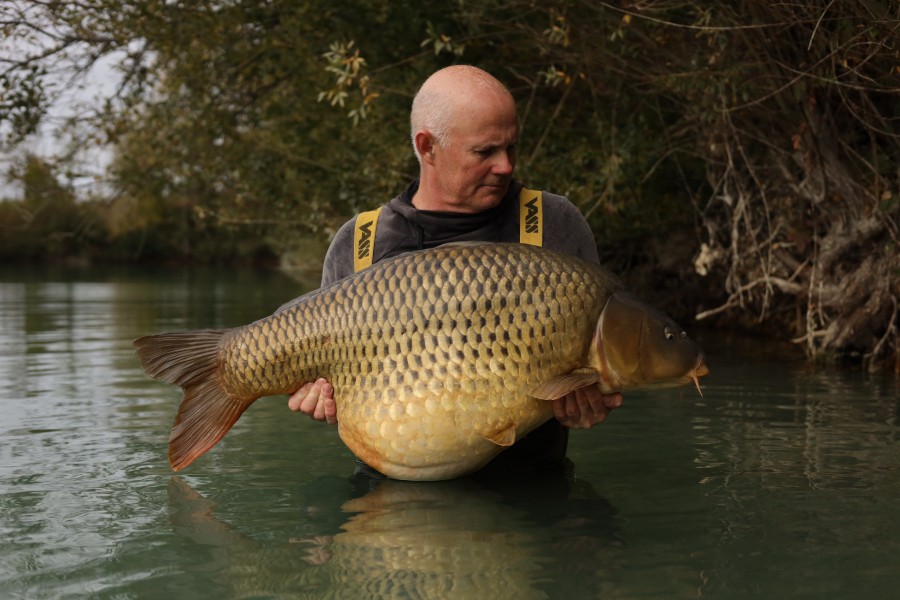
{"type": "Point", "coordinates": [71, 99]}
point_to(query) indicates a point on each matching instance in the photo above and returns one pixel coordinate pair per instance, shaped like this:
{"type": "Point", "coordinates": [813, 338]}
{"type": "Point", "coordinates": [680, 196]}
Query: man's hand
{"type": "Point", "coordinates": [581, 409]}
{"type": "Point", "coordinates": [315, 400]}
{"type": "Point", "coordinates": [585, 407]}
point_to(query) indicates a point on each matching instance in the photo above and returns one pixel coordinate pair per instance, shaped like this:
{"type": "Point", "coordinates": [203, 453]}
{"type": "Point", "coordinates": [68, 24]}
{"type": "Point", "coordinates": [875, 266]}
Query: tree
{"type": "Point", "coordinates": [47, 221]}
{"type": "Point", "coordinates": [760, 136]}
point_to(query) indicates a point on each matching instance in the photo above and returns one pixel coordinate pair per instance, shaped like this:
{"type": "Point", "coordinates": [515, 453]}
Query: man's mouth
{"type": "Point", "coordinates": [499, 185]}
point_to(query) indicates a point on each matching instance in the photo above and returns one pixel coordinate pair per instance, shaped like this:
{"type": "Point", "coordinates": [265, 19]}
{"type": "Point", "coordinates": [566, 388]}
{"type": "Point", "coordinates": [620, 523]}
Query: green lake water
{"type": "Point", "coordinates": [780, 482]}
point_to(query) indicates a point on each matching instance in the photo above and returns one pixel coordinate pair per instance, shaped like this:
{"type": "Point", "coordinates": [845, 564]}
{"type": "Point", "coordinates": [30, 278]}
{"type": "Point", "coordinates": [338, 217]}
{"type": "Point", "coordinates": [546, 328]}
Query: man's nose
{"type": "Point", "coordinates": [505, 163]}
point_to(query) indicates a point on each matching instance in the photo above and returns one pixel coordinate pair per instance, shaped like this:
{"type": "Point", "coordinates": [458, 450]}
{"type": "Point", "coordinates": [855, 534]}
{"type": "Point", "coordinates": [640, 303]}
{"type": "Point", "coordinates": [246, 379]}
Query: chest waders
{"type": "Point", "coordinates": [531, 228]}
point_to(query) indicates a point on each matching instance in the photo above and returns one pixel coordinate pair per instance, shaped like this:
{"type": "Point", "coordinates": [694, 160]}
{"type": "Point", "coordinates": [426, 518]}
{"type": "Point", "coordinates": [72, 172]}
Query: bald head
{"type": "Point", "coordinates": [452, 94]}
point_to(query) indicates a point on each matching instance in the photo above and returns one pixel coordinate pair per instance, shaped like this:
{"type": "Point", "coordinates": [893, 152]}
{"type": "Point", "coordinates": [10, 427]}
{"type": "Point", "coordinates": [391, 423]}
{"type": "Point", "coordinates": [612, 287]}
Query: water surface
{"type": "Point", "coordinates": [780, 482]}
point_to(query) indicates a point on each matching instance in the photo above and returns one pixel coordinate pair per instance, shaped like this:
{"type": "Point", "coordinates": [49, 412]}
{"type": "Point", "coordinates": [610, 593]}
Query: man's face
{"type": "Point", "coordinates": [475, 167]}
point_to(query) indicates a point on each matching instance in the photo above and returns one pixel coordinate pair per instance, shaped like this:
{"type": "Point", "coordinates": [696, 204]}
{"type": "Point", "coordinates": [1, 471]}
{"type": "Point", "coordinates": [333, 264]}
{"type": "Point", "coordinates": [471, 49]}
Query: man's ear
{"type": "Point", "coordinates": [425, 145]}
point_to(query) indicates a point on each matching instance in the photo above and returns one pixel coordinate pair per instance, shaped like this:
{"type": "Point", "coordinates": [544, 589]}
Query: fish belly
{"type": "Point", "coordinates": [433, 435]}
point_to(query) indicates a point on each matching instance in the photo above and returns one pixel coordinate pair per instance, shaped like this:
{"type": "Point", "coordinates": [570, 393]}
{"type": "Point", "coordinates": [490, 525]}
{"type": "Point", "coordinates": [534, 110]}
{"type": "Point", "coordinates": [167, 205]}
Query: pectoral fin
{"type": "Point", "coordinates": [502, 437]}
{"type": "Point", "coordinates": [562, 385]}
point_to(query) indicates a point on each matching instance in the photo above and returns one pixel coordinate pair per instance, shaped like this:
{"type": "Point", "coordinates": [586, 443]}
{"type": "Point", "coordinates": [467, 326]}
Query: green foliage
{"type": "Point", "coordinates": [22, 101]}
{"type": "Point", "coordinates": [47, 222]}
{"type": "Point", "coordinates": [235, 136]}
{"type": "Point", "coordinates": [766, 131]}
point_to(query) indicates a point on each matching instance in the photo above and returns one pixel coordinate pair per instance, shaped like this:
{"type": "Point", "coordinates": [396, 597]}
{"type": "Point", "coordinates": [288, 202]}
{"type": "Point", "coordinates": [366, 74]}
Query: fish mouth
{"type": "Point", "coordinates": [697, 372]}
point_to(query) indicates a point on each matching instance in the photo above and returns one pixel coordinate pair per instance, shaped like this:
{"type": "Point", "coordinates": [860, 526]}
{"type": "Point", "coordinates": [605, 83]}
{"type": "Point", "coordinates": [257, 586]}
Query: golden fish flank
{"type": "Point", "coordinates": [439, 359]}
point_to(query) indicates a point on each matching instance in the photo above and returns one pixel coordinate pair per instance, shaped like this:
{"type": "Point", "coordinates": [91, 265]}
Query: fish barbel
{"type": "Point", "coordinates": [439, 359]}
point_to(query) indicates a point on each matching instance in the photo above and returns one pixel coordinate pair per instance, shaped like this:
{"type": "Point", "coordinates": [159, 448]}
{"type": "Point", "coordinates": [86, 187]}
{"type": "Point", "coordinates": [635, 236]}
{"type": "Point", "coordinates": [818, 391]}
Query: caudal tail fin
{"type": "Point", "coordinates": [190, 359]}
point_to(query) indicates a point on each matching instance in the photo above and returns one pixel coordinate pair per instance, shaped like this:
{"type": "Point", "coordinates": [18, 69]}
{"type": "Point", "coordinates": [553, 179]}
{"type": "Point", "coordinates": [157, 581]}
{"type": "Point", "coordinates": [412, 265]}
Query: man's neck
{"type": "Point", "coordinates": [426, 198]}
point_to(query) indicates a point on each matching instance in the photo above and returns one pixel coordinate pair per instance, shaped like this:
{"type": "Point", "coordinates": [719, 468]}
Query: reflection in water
{"type": "Point", "coordinates": [804, 463]}
{"type": "Point", "coordinates": [457, 539]}
{"type": "Point", "coordinates": [81, 433]}
{"type": "Point", "coordinates": [780, 482]}
{"type": "Point", "coordinates": [807, 431]}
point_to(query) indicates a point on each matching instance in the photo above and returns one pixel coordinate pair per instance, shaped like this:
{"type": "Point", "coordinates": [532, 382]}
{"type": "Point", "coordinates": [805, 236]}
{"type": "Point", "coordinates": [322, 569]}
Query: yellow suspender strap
{"type": "Point", "coordinates": [531, 217]}
{"type": "Point", "coordinates": [364, 239]}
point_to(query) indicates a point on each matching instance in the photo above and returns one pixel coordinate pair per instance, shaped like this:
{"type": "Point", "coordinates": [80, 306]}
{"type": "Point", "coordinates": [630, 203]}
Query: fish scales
{"type": "Point", "coordinates": [421, 335]}
{"type": "Point", "coordinates": [439, 359]}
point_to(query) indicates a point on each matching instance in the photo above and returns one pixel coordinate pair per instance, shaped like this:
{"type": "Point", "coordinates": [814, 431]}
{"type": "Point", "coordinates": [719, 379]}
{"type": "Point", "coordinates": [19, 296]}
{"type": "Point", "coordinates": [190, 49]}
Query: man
{"type": "Point", "coordinates": [464, 130]}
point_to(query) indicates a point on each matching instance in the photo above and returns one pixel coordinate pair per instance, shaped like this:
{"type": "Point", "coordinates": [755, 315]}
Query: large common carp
{"type": "Point", "coordinates": [439, 359]}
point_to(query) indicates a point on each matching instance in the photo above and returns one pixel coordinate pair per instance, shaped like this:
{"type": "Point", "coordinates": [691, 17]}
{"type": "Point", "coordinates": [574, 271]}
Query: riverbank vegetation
{"type": "Point", "coordinates": [737, 163]}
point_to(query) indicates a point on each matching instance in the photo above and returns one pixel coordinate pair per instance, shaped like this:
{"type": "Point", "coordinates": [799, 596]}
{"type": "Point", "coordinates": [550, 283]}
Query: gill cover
{"type": "Point", "coordinates": [644, 347]}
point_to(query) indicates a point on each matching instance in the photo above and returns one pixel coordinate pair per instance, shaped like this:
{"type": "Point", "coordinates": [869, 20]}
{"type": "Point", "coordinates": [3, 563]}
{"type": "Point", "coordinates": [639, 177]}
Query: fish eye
{"type": "Point", "coordinates": [670, 335]}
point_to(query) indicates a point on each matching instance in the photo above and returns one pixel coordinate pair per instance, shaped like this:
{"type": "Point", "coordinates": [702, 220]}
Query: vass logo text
{"type": "Point", "coordinates": [365, 241]}
{"type": "Point", "coordinates": [531, 218]}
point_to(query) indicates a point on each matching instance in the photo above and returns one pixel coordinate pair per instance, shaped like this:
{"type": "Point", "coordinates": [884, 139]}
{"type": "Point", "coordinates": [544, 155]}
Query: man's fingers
{"type": "Point", "coordinates": [326, 405]}
{"type": "Point", "coordinates": [296, 399]}
{"type": "Point", "coordinates": [306, 399]}
{"type": "Point", "coordinates": [570, 410]}
{"type": "Point", "coordinates": [576, 403]}
{"type": "Point", "coordinates": [612, 401]}
{"type": "Point", "coordinates": [330, 411]}
{"type": "Point", "coordinates": [585, 407]}
{"type": "Point", "coordinates": [559, 410]}
{"type": "Point", "coordinates": [315, 400]}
